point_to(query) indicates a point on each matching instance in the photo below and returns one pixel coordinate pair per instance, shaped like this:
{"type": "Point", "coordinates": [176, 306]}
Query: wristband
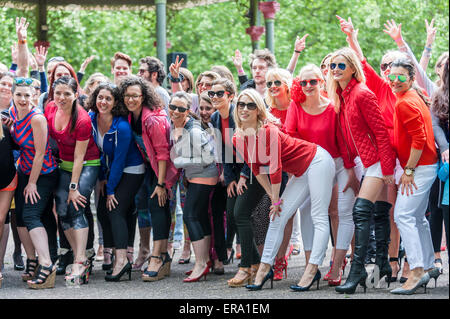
{"type": "Point", "coordinates": [23, 41]}
{"type": "Point", "coordinates": [175, 80]}
{"type": "Point", "coordinates": [428, 49]}
{"type": "Point", "coordinates": [297, 51]}
{"type": "Point", "coordinates": [277, 203]}
{"type": "Point", "coordinates": [241, 70]}
{"type": "Point", "coordinates": [163, 185]}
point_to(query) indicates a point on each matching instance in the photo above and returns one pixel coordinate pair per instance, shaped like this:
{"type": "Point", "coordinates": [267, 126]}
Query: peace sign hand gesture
{"type": "Point", "coordinates": [175, 67]}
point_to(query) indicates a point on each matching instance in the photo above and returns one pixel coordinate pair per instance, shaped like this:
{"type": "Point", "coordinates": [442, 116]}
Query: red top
{"type": "Point", "coordinates": [66, 141]}
{"type": "Point", "coordinates": [322, 129]}
{"type": "Point", "coordinates": [386, 98]}
{"type": "Point", "coordinates": [274, 152]}
{"type": "Point", "coordinates": [224, 128]}
{"type": "Point", "coordinates": [279, 114]}
{"type": "Point", "coordinates": [413, 129]}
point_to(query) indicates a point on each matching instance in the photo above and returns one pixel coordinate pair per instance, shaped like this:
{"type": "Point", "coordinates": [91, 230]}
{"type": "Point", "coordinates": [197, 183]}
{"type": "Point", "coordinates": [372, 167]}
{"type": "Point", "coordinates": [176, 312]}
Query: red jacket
{"type": "Point", "coordinates": [363, 126]}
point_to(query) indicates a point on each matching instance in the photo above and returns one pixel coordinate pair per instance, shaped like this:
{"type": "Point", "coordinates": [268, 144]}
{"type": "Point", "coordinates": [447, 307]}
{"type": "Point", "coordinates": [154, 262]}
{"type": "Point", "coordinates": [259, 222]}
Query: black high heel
{"type": "Point", "coordinates": [259, 287]}
{"type": "Point", "coordinates": [394, 279]}
{"type": "Point", "coordinates": [434, 273]}
{"type": "Point", "coordinates": [404, 279]}
{"type": "Point", "coordinates": [107, 267]}
{"type": "Point", "coordinates": [64, 261]}
{"type": "Point", "coordinates": [125, 269]}
{"type": "Point", "coordinates": [230, 259]}
{"type": "Point", "coordinates": [317, 277]}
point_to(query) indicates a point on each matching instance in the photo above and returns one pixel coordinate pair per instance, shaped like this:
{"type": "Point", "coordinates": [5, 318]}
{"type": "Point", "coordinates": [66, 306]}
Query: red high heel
{"type": "Point", "coordinates": [335, 282]}
{"type": "Point", "coordinates": [209, 264]}
{"type": "Point", "coordinates": [203, 274]}
{"type": "Point", "coordinates": [291, 249]}
{"type": "Point", "coordinates": [343, 265]}
{"type": "Point", "coordinates": [280, 265]}
{"type": "Point", "coordinates": [327, 276]}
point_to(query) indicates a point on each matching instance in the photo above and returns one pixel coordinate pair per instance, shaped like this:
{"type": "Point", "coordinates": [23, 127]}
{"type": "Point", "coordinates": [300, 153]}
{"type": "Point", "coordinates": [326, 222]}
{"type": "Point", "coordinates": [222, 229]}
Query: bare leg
{"type": "Point", "coordinates": [120, 261]}
{"type": "Point", "coordinates": [26, 242]}
{"type": "Point", "coordinates": [201, 251]}
{"type": "Point", "coordinates": [159, 247]}
{"type": "Point", "coordinates": [39, 238]}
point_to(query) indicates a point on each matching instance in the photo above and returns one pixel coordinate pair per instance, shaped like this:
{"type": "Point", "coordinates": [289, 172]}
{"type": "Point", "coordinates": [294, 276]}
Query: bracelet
{"type": "Point", "coordinates": [175, 80]}
{"type": "Point", "coordinates": [241, 70]}
{"type": "Point", "coordinates": [297, 51]}
{"type": "Point", "coordinates": [163, 185]}
{"type": "Point", "coordinates": [428, 49]}
{"type": "Point", "coordinates": [23, 41]}
{"type": "Point", "coordinates": [277, 203]}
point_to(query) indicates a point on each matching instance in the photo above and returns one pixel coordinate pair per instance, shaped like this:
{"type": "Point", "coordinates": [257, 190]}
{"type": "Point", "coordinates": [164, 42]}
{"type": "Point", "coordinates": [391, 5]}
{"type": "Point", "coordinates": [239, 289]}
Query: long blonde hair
{"type": "Point", "coordinates": [284, 76]}
{"type": "Point", "coordinates": [353, 62]}
{"type": "Point", "coordinates": [263, 114]}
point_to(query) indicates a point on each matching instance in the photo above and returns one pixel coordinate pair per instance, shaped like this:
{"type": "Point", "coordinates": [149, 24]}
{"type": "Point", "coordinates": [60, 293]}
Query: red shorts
{"type": "Point", "coordinates": [12, 186]}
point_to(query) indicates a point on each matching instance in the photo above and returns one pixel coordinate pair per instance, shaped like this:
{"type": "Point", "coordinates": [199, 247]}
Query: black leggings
{"type": "Point", "coordinates": [218, 207]}
{"type": "Point", "coordinates": [195, 211]}
{"type": "Point", "coordinates": [436, 217]}
{"type": "Point", "coordinates": [119, 224]}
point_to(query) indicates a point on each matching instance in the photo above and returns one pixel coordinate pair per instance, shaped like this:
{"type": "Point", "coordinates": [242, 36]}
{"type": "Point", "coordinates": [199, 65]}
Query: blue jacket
{"type": "Point", "coordinates": [119, 151]}
{"type": "Point", "coordinates": [232, 170]}
{"type": "Point", "coordinates": [443, 176]}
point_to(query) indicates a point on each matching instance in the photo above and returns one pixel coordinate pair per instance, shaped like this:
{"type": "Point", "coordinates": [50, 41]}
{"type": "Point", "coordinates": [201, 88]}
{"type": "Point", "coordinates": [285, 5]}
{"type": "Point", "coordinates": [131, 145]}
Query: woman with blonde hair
{"type": "Point", "coordinates": [93, 81]}
{"type": "Point", "coordinates": [307, 162]}
{"type": "Point", "coordinates": [312, 117]}
{"type": "Point", "coordinates": [366, 135]}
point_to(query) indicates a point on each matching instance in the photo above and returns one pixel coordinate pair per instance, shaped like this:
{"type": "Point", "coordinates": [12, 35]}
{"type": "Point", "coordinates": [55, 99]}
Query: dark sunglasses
{"type": "Point", "coordinates": [250, 106]}
{"type": "Point", "coordinates": [312, 82]}
{"type": "Point", "coordinates": [26, 81]}
{"type": "Point", "coordinates": [341, 66]}
{"type": "Point", "coordinates": [384, 66]}
{"type": "Point", "coordinates": [108, 84]}
{"type": "Point", "coordinates": [277, 83]}
{"type": "Point", "coordinates": [401, 78]}
{"type": "Point", "coordinates": [181, 109]}
{"type": "Point", "coordinates": [218, 93]}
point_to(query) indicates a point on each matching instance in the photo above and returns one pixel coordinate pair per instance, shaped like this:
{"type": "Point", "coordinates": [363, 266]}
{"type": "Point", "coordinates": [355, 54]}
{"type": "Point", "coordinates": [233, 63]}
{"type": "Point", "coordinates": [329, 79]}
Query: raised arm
{"type": "Point", "coordinates": [175, 74]}
{"type": "Point", "coordinates": [352, 36]}
{"type": "Point", "coordinates": [431, 36]}
{"type": "Point", "coordinates": [40, 56]}
{"type": "Point", "coordinates": [299, 46]}
{"type": "Point", "coordinates": [22, 55]}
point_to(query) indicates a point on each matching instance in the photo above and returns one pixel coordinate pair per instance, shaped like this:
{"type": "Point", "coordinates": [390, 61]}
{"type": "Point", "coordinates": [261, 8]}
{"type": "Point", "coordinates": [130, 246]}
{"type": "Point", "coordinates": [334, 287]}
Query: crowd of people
{"type": "Point", "coordinates": [337, 152]}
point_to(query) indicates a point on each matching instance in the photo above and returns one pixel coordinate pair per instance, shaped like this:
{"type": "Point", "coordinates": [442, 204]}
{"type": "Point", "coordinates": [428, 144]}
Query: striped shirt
{"type": "Point", "coordinates": [23, 136]}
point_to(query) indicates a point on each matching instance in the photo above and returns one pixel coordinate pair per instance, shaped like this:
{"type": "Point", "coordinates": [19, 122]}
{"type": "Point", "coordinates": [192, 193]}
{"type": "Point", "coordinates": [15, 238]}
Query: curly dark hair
{"type": "Point", "coordinates": [118, 109]}
{"type": "Point", "coordinates": [439, 104]}
{"type": "Point", "coordinates": [155, 65]}
{"type": "Point", "coordinates": [150, 98]}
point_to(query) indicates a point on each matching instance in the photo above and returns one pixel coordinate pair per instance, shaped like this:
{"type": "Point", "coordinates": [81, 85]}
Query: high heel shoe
{"type": "Point", "coordinates": [184, 261]}
{"type": "Point", "coordinates": [65, 260]}
{"type": "Point", "coordinates": [403, 279]}
{"type": "Point", "coordinates": [280, 266]}
{"type": "Point", "coordinates": [316, 278]}
{"type": "Point", "coordinates": [109, 266]}
{"type": "Point", "coordinates": [137, 266]}
{"type": "Point", "coordinates": [289, 253]}
{"type": "Point", "coordinates": [336, 282]}
{"type": "Point", "coordinates": [422, 283]}
{"type": "Point", "coordinates": [43, 280]}
{"type": "Point", "coordinates": [209, 264]}
{"type": "Point", "coordinates": [434, 273]}
{"type": "Point", "coordinates": [394, 279]}
{"type": "Point", "coordinates": [269, 275]}
{"type": "Point", "coordinates": [203, 274]}
{"type": "Point", "coordinates": [154, 275]}
{"type": "Point", "coordinates": [18, 261]}
{"type": "Point", "coordinates": [436, 261]}
{"type": "Point", "coordinates": [235, 282]}
{"type": "Point", "coordinates": [30, 270]}
{"type": "Point", "coordinates": [126, 269]}
{"type": "Point", "coordinates": [77, 280]}
{"type": "Point", "coordinates": [166, 264]}
{"type": "Point", "coordinates": [230, 258]}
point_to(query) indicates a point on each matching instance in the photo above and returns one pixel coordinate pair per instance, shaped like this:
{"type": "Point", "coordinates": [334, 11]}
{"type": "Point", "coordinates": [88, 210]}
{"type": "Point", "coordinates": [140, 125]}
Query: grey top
{"type": "Point", "coordinates": [430, 87]}
{"type": "Point", "coordinates": [194, 152]}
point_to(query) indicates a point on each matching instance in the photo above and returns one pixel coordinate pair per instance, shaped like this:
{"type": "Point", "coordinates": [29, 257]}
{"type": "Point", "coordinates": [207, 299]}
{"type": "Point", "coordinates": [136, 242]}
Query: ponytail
{"type": "Point", "coordinates": [73, 116]}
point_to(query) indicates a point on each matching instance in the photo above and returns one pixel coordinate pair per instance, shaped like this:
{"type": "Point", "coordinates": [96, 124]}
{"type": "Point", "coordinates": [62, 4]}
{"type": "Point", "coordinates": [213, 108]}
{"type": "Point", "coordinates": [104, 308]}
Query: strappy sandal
{"type": "Point", "coordinates": [30, 270]}
{"type": "Point", "coordinates": [43, 280]}
{"type": "Point", "coordinates": [83, 278]}
{"type": "Point", "coordinates": [154, 275]}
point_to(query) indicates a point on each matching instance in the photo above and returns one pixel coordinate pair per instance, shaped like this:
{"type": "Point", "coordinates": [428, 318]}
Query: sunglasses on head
{"type": "Point", "coordinates": [341, 66]}
{"type": "Point", "coordinates": [218, 93]}
{"type": "Point", "coordinates": [401, 78]}
{"type": "Point", "coordinates": [312, 82]}
{"type": "Point", "coordinates": [250, 106]}
{"type": "Point", "coordinates": [26, 81]}
{"type": "Point", "coordinates": [277, 83]}
{"type": "Point", "coordinates": [109, 84]}
{"type": "Point", "coordinates": [181, 109]}
{"type": "Point", "coordinates": [384, 66]}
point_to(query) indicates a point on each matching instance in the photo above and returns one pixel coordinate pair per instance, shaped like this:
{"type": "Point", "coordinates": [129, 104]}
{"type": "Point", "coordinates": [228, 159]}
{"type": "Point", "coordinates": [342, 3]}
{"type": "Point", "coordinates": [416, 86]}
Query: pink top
{"type": "Point", "coordinates": [66, 140]}
{"type": "Point", "coordinates": [322, 129]}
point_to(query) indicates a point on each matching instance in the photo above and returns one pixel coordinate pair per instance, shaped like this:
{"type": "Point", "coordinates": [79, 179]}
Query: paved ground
{"type": "Point", "coordinates": [214, 287]}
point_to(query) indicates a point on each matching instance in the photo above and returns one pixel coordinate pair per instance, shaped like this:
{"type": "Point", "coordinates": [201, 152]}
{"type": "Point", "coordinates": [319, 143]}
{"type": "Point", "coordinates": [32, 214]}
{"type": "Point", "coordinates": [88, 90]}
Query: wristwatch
{"type": "Point", "coordinates": [409, 171]}
{"type": "Point", "coordinates": [73, 186]}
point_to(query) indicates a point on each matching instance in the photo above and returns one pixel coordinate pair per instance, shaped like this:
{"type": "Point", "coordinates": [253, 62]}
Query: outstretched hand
{"type": "Point", "coordinates": [300, 44]}
{"type": "Point", "coordinates": [86, 63]}
{"type": "Point", "coordinates": [40, 55]}
{"type": "Point", "coordinates": [175, 67]}
{"type": "Point", "coordinates": [346, 26]}
{"type": "Point", "coordinates": [21, 28]}
{"type": "Point", "coordinates": [237, 59]}
{"type": "Point", "coordinates": [431, 32]}
{"type": "Point", "coordinates": [394, 30]}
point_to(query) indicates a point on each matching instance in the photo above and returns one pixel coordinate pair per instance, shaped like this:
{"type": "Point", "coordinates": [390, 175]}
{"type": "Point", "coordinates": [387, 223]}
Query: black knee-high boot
{"type": "Point", "coordinates": [361, 217]}
{"type": "Point", "coordinates": [382, 237]}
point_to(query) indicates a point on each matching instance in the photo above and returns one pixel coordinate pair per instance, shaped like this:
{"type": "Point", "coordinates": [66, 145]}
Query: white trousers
{"type": "Point", "coordinates": [316, 184]}
{"type": "Point", "coordinates": [409, 215]}
{"type": "Point", "coordinates": [296, 235]}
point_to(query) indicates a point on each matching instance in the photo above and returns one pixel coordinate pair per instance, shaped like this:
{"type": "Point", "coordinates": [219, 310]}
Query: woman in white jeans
{"type": "Point", "coordinates": [416, 150]}
{"type": "Point", "coordinates": [312, 117]}
{"type": "Point", "coordinates": [268, 151]}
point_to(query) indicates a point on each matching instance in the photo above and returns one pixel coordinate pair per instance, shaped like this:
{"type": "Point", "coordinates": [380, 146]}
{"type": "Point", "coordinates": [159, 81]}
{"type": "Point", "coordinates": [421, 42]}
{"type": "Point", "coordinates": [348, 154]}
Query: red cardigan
{"type": "Point", "coordinates": [413, 129]}
{"type": "Point", "coordinates": [364, 127]}
{"type": "Point", "coordinates": [273, 151]}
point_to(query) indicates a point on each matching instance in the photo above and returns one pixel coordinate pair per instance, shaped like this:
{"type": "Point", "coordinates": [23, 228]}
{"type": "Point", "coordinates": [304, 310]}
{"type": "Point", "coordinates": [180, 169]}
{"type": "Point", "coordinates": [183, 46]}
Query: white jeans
{"type": "Point", "coordinates": [295, 236]}
{"type": "Point", "coordinates": [409, 215]}
{"type": "Point", "coordinates": [316, 183]}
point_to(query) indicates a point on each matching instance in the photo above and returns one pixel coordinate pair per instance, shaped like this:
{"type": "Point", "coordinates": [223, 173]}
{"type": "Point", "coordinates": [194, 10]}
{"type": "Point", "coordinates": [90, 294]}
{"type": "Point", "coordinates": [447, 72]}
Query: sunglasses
{"type": "Point", "coordinates": [26, 81]}
{"type": "Point", "coordinates": [341, 66]}
{"type": "Point", "coordinates": [250, 106]}
{"type": "Point", "coordinates": [401, 78]}
{"type": "Point", "coordinates": [312, 82]}
{"type": "Point", "coordinates": [181, 109]}
{"type": "Point", "coordinates": [384, 66]}
{"type": "Point", "coordinates": [277, 83]}
{"type": "Point", "coordinates": [218, 93]}
{"type": "Point", "coordinates": [108, 84]}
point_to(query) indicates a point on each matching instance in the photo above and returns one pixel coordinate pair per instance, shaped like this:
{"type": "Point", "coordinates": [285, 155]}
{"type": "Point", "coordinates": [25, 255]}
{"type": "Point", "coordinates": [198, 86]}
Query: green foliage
{"type": "Point", "coordinates": [210, 34]}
